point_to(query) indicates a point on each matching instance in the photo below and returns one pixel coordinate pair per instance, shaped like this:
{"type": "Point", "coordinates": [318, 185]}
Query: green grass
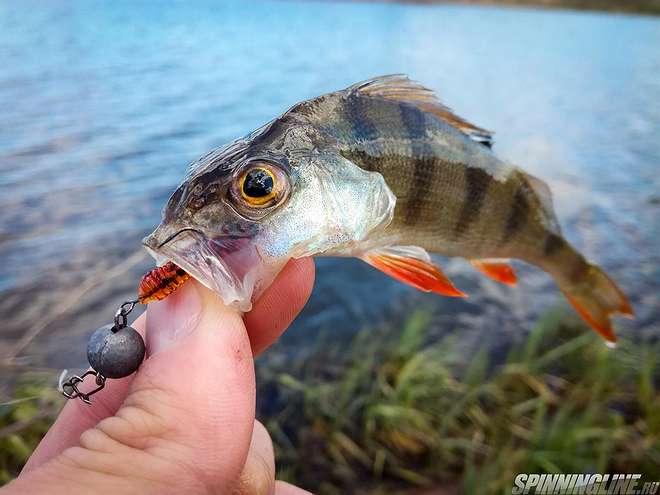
{"type": "Point", "coordinates": [24, 421]}
{"type": "Point", "coordinates": [396, 411]}
{"type": "Point", "coordinates": [391, 411]}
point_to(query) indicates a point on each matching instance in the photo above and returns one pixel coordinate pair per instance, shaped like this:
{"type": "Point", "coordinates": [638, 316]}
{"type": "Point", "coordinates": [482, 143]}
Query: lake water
{"type": "Point", "coordinates": [103, 104]}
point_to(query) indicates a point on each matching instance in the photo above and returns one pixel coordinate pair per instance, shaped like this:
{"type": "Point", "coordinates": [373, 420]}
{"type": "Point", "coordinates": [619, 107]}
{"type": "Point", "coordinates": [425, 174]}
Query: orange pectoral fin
{"type": "Point", "coordinates": [421, 274]}
{"type": "Point", "coordinates": [499, 271]}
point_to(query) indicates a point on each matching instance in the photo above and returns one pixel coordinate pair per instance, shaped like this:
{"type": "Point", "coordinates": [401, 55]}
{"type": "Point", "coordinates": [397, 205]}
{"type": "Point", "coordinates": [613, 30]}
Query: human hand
{"type": "Point", "coordinates": [185, 422]}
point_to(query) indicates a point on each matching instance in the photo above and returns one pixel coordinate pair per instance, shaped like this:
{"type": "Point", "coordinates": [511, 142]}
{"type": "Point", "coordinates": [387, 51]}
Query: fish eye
{"type": "Point", "coordinates": [257, 185]}
{"type": "Point", "coordinates": [261, 185]}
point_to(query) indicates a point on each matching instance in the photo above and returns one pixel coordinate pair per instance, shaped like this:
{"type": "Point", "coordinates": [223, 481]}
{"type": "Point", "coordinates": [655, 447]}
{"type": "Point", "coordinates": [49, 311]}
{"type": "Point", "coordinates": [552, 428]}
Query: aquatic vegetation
{"type": "Point", "coordinates": [391, 410]}
{"type": "Point", "coordinates": [24, 421]}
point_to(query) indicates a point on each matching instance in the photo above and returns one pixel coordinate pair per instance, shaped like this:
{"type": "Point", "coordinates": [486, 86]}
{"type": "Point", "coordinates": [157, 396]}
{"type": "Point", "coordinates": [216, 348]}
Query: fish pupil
{"type": "Point", "coordinates": [258, 183]}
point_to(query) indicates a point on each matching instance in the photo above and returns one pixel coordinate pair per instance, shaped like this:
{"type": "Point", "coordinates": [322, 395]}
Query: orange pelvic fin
{"type": "Point", "coordinates": [412, 265]}
{"type": "Point", "coordinates": [497, 270]}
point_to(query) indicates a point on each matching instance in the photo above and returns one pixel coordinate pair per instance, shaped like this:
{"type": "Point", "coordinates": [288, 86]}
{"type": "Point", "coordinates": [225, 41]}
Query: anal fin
{"type": "Point", "coordinates": [500, 271]}
{"type": "Point", "coordinates": [412, 265]}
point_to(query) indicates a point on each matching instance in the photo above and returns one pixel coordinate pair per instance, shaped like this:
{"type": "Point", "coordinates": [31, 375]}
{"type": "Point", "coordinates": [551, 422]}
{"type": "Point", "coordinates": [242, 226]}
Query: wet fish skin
{"type": "Point", "coordinates": [452, 193]}
{"type": "Point", "coordinates": [453, 196]}
{"type": "Point", "coordinates": [237, 250]}
{"type": "Point", "coordinates": [456, 198]}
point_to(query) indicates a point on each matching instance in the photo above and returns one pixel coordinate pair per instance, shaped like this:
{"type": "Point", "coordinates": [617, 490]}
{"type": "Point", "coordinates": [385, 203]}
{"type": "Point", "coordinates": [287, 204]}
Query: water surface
{"type": "Point", "coordinates": [102, 105]}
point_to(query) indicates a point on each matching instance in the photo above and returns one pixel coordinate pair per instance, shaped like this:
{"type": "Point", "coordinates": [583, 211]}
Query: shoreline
{"type": "Point", "coordinates": [640, 7]}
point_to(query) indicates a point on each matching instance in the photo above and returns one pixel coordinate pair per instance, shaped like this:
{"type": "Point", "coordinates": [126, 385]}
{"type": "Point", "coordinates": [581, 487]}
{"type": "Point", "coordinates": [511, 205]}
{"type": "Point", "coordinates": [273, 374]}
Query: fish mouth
{"type": "Point", "coordinates": [229, 265]}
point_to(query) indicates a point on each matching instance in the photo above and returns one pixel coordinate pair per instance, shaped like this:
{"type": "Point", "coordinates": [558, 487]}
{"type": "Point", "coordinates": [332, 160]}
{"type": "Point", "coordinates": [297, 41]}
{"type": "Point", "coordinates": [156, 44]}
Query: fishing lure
{"type": "Point", "coordinates": [117, 350]}
{"type": "Point", "coordinates": [160, 282]}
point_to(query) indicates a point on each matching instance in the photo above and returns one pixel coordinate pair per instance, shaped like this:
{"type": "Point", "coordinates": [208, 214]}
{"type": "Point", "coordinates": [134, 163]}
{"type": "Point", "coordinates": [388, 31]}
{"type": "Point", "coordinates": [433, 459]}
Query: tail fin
{"type": "Point", "coordinates": [596, 297]}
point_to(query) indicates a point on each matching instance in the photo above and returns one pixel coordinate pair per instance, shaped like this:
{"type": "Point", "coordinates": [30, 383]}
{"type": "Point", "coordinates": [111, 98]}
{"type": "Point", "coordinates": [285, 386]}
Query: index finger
{"type": "Point", "coordinates": [279, 305]}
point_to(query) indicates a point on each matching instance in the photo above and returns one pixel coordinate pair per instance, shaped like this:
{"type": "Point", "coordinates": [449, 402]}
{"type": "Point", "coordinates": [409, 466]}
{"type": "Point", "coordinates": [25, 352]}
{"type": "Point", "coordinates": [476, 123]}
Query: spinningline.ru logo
{"type": "Point", "coordinates": [588, 484]}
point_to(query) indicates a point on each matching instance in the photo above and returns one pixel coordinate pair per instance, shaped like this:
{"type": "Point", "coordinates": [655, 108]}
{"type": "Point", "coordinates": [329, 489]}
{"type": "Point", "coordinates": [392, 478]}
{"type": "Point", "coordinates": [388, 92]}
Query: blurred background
{"type": "Point", "coordinates": [103, 104]}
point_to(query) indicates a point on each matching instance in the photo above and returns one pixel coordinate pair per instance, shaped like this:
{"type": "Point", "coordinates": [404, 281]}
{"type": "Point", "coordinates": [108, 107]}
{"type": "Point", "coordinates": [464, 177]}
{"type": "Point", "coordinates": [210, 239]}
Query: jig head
{"type": "Point", "coordinates": [117, 350]}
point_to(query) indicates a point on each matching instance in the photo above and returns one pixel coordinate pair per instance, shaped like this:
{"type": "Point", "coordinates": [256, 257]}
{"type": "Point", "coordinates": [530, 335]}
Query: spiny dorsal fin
{"type": "Point", "coordinates": [399, 87]}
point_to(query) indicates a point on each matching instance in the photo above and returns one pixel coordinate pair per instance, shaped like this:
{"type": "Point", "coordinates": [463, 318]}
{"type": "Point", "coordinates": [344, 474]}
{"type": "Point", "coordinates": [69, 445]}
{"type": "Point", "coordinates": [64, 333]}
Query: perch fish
{"type": "Point", "coordinates": [381, 171]}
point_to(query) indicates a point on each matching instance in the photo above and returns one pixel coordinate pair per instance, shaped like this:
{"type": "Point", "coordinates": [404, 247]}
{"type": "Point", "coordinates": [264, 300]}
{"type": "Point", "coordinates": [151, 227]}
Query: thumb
{"type": "Point", "coordinates": [187, 420]}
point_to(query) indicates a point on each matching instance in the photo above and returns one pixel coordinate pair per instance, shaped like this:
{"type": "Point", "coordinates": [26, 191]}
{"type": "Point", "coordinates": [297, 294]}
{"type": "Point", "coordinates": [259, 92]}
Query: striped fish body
{"type": "Point", "coordinates": [453, 195]}
{"type": "Point", "coordinates": [382, 171]}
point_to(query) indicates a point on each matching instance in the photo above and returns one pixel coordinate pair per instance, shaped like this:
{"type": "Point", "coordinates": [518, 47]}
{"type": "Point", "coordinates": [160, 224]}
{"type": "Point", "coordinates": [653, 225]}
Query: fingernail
{"type": "Point", "coordinates": [173, 319]}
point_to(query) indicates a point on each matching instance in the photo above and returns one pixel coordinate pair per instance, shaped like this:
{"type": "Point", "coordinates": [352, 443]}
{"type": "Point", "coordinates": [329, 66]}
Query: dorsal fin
{"type": "Point", "coordinates": [545, 198]}
{"type": "Point", "coordinates": [399, 87]}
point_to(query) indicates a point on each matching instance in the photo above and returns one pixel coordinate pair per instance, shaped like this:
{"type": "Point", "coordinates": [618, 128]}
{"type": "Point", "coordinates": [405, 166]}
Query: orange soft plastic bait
{"type": "Point", "coordinates": [160, 282]}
